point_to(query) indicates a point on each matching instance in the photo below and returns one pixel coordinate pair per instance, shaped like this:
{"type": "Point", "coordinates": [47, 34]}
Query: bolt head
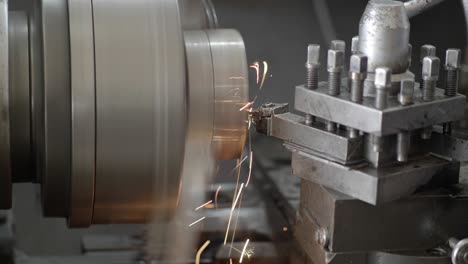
{"type": "Point", "coordinates": [313, 54]}
{"type": "Point", "coordinates": [431, 68]}
{"type": "Point", "coordinates": [321, 237]}
{"type": "Point", "coordinates": [427, 50]}
{"type": "Point", "coordinates": [453, 58]}
{"type": "Point", "coordinates": [358, 63]}
{"type": "Point", "coordinates": [338, 45]}
{"type": "Point", "coordinates": [383, 77]}
{"type": "Point", "coordinates": [355, 45]}
{"type": "Point", "coordinates": [406, 92]}
{"type": "Point", "coordinates": [335, 60]}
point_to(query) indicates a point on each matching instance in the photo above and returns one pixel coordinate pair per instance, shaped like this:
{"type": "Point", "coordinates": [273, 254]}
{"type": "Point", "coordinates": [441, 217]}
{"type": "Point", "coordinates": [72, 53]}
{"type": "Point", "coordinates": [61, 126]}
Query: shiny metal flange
{"type": "Point", "coordinates": [19, 88]}
{"type": "Point", "coordinates": [57, 104]}
{"type": "Point", "coordinates": [231, 93]}
{"type": "Point", "coordinates": [140, 109]}
{"type": "Point", "coordinates": [198, 14]}
{"type": "Point", "coordinates": [5, 159]}
{"type": "Point", "coordinates": [83, 114]}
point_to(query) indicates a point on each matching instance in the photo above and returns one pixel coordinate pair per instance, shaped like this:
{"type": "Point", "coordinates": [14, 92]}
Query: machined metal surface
{"type": "Point", "coordinates": [450, 146]}
{"type": "Point", "coordinates": [384, 35]}
{"type": "Point", "coordinates": [57, 115]}
{"type": "Point", "coordinates": [315, 139]}
{"type": "Point", "coordinates": [394, 118]}
{"type": "Point", "coordinates": [83, 105]}
{"type": "Point", "coordinates": [421, 221]}
{"type": "Point", "coordinates": [371, 185]}
{"type": "Point", "coordinates": [140, 113]}
{"type": "Point", "coordinates": [231, 93]}
{"type": "Point", "coordinates": [19, 89]}
{"type": "Point", "coordinates": [5, 154]}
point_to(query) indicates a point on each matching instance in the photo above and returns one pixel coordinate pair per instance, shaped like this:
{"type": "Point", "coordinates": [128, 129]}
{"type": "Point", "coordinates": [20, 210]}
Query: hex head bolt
{"type": "Point", "coordinates": [313, 68]}
{"type": "Point", "coordinates": [383, 80]}
{"type": "Point", "coordinates": [358, 73]}
{"type": "Point", "coordinates": [335, 63]}
{"type": "Point", "coordinates": [430, 75]}
{"type": "Point", "coordinates": [426, 51]}
{"type": "Point", "coordinates": [405, 97]}
{"type": "Point", "coordinates": [452, 78]}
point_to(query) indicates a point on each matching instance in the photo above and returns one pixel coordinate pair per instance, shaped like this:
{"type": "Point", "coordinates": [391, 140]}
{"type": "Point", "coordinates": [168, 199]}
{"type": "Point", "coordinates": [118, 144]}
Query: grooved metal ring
{"type": "Point", "coordinates": [20, 115]}
{"type": "Point", "coordinates": [57, 105]}
{"type": "Point", "coordinates": [82, 112]}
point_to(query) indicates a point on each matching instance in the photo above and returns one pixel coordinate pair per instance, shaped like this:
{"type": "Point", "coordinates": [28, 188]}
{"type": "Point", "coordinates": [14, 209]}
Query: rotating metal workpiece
{"type": "Point", "coordinates": [365, 148]}
{"type": "Point", "coordinates": [109, 122]}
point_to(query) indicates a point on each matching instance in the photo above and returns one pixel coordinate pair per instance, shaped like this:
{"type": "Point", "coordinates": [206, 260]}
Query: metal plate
{"type": "Point", "coordinates": [83, 113]}
{"type": "Point", "coordinates": [57, 116]}
{"type": "Point", "coordinates": [5, 159]}
{"type": "Point", "coordinates": [140, 109]}
{"type": "Point", "coordinates": [231, 93]}
{"type": "Point", "coordinates": [20, 107]}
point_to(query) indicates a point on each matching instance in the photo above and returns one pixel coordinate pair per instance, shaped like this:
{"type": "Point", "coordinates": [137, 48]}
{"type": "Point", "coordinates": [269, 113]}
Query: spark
{"type": "Point", "coordinates": [216, 196]}
{"type": "Point", "coordinates": [200, 251]}
{"type": "Point", "coordinates": [230, 260]}
{"type": "Point", "coordinates": [285, 229]}
{"type": "Point", "coordinates": [250, 168]}
{"type": "Point", "coordinates": [240, 163]}
{"type": "Point", "coordinates": [198, 221]}
{"type": "Point", "coordinates": [265, 71]}
{"type": "Point", "coordinates": [203, 205]}
{"type": "Point", "coordinates": [256, 66]}
{"type": "Point", "coordinates": [248, 252]}
{"type": "Point", "coordinates": [249, 104]}
{"type": "Point", "coordinates": [232, 210]}
{"type": "Point", "coordinates": [243, 251]}
{"type": "Point", "coordinates": [238, 196]}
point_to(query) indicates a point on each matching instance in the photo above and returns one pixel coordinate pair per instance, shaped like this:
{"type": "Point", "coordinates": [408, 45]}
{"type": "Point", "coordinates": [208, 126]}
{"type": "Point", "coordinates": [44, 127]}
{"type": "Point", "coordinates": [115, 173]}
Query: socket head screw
{"type": "Point", "coordinates": [431, 68]}
{"type": "Point", "coordinates": [427, 50]}
{"type": "Point", "coordinates": [453, 59]}
{"type": "Point", "coordinates": [358, 63]}
{"type": "Point", "coordinates": [383, 77]}
{"type": "Point", "coordinates": [335, 60]}
{"type": "Point", "coordinates": [313, 56]}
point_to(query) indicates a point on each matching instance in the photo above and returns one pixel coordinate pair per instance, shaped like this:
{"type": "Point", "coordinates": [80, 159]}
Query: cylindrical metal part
{"type": "Point", "coordinates": [405, 97]}
{"type": "Point", "coordinates": [313, 69]}
{"type": "Point", "coordinates": [353, 133]}
{"type": "Point", "coordinates": [384, 35]}
{"type": "Point", "coordinates": [358, 73]}
{"type": "Point", "coordinates": [403, 146]}
{"type": "Point", "coordinates": [355, 45]}
{"type": "Point", "coordinates": [430, 74]}
{"type": "Point", "coordinates": [381, 99]}
{"type": "Point", "coordinates": [20, 96]}
{"type": "Point", "coordinates": [334, 83]}
{"type": "Point", "coordinates": [332, 126]}
{"type": "Point", "coordinates": [377, 143]}
{"type": "Point", "coordinates": [383, 79]}
{"type": "Point", "coordinates": [357, 90]}
{"type": "Point", "coordinates": [426, 51]}
{"type": "Point", "coordinates": [452, 67]}
{"type": "Point", "coordinates": [428, 90]}
{"type": "Point", "coordinates": [5, 158]}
